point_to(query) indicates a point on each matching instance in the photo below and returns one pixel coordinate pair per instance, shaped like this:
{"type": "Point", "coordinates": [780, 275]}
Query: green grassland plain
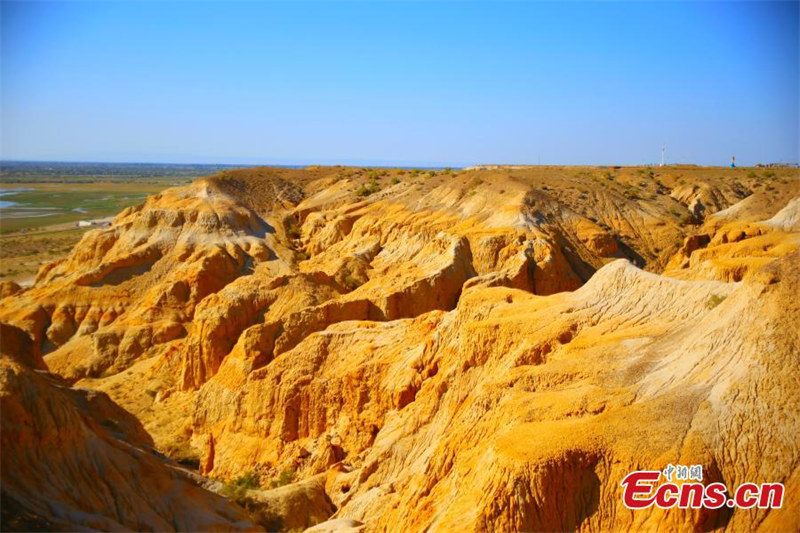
{"type": "Point", "coordinates": [43, 202]}
{"type": "Point", "coordinates": [42, 223]}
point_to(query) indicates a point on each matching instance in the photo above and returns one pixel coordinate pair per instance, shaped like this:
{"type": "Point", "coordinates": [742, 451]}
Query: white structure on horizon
{"type": "Point", "coordinates": [663, 149]}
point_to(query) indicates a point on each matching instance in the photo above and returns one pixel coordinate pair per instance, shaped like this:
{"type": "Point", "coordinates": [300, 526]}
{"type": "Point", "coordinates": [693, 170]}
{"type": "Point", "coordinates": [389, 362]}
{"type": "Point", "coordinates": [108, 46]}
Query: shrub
{"type": "Point", "coordinates": [395, 181]}
{"type": "Point", "coordinates": [715, 300]}
{"type": "Point", "coordinates": [234, 493]}
{"type": "Point", "coordinates": [366, 190]}
{"type": "Point", "coordinates": [248, 480]}
{"type": "Point", "coordinates": [264, 516]}
{"type": "Point", "coordinates": [769, 174]}
{"type": "Point", "coordinates": [284, 478]}
{"type": "Point", "coordinates": [474, 182]}
{"type": "Point", "coordinates": [237, 489]}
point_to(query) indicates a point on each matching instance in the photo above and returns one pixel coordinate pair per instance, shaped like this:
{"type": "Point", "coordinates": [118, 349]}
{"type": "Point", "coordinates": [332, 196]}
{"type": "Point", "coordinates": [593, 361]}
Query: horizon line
{"type": "Point", "coordinates": [384, 164]}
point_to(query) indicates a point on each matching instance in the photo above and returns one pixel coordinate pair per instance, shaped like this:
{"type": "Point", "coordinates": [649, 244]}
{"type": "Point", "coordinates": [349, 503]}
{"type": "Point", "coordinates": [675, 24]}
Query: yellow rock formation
{"type": "Point", "coordinates": [478, 350]}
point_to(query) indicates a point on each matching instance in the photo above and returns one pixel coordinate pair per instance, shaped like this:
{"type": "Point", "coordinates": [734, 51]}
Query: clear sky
{"type": "Point", "coordinates": [446, 83]}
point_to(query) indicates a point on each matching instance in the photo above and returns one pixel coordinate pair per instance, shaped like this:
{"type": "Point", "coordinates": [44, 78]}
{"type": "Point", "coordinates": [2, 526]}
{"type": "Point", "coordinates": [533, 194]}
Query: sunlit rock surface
{"type": "Point", "coordinates": [395, 350]}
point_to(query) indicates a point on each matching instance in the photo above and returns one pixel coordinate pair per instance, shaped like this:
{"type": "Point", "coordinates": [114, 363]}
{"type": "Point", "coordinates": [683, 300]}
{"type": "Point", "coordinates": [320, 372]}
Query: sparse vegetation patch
{"type": "Point", "coordinates": [715, 300]}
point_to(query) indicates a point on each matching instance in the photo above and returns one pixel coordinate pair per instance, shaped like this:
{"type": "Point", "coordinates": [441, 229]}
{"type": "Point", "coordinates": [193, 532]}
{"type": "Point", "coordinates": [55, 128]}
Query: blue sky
{"type": "Point", "coordinates": [445, 83]}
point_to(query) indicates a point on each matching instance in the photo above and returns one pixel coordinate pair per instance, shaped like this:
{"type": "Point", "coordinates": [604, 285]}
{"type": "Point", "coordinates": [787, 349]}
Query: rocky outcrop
{"type": "Point", "coordinates": [9, 288]}
{"type": "Point", "coordinates": [788, 218]}
{"type": "Point", "coordinates": [294, 507]}
{"type": "Point", "coordinates": [731, 250]}
{"type": "Point", "coordinates": [482, 397]}
{"type": "Point", "coordinates": [72, 457]}
{"type": "Point", "coordinates": [708, 197]}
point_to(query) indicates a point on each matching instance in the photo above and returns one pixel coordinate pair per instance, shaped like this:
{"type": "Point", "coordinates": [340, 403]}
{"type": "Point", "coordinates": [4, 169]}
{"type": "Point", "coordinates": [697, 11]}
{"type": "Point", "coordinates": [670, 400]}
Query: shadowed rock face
{"type": "Point", "coordinates": [470, 351]}
{"type": "Point", "coordinates": [74, 458]}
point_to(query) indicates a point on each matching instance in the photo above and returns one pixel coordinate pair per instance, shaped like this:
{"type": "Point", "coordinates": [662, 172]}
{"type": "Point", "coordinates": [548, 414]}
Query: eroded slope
{"type": "Point", "coordinates": [405, 335]}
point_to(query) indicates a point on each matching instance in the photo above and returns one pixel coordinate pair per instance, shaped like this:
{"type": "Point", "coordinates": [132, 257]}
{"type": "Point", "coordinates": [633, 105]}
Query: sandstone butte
{"type": "Point", "coordinates": [490, 349]}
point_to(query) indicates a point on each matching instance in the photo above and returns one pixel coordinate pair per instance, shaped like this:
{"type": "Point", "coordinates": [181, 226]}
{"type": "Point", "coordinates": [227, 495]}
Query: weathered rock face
{"type": "Point", "coordinates": [74, 458]}
{"type": "Point", "coordinates": [470, 351]}
{"type": "Point", "coordinates": [8, 288]}
{"type": "Point", "coordinates": [529, 401]}
{"type": "Point", "coordinates": [730, 248]}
